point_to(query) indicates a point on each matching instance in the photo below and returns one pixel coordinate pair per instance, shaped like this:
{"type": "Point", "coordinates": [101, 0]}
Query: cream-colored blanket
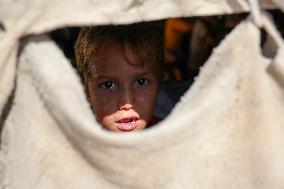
{"type": "Point", "coordinates": [226, 132]}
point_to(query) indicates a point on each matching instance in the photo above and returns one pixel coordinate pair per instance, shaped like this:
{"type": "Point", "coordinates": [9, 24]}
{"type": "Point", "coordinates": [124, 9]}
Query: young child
{"type": "Point", "coordinates": [121, 70]}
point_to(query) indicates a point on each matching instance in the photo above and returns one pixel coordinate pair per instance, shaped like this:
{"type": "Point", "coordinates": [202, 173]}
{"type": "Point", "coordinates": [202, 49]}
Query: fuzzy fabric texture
{"type": "Point", "coordinates": [226, 132]}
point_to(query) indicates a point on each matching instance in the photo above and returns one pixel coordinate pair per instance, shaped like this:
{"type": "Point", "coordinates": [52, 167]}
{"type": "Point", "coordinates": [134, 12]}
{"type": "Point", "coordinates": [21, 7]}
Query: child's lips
{"type": "Point", "coordinates": [127, 123]}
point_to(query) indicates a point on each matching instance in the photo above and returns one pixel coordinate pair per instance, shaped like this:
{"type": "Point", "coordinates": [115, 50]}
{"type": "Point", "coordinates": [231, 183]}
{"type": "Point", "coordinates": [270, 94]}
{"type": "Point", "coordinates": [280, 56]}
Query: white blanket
{"type": "Point", "coordinates": [226, 132]}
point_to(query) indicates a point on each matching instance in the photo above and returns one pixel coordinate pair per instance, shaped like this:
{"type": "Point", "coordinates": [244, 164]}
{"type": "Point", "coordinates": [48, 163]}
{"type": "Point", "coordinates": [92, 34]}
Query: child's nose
{"type": "Point", "coordinates": [126, 100]}
{"type": "Point", "coordinates": [126, 107]}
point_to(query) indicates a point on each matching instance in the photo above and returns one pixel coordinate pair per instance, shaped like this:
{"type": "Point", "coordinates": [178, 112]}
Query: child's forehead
{"type": "Point", "coordinates": [113, 58]}
{"type": "Point", "coordinates": [109, 53]}
{"type": "Point", "coordinates": [117, 61]}
{"type": "Point", "coordinates": [112, 50]}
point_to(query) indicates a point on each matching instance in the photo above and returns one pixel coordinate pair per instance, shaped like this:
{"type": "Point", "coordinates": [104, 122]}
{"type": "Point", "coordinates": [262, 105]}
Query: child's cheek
{"type": "Point", "coordinates": [108, 122]}
{"type": "Point", "coordinates": [103, 103]}
{"type": "Point", "coordinates": [146, 98]}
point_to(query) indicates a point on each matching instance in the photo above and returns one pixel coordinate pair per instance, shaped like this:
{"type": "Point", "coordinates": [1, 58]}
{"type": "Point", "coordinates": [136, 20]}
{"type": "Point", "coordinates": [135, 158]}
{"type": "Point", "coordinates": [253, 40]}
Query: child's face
{"type": "Point", "coordinates": [122, 94]}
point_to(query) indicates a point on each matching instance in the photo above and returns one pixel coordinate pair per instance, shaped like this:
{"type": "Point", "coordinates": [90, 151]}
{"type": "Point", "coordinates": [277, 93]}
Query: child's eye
{"type": "Point", "coordinates": [142, 81]}
{"type": "Point", "coordinates": [108, 85]}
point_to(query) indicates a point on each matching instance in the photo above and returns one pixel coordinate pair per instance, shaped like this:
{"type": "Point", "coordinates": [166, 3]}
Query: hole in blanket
{"type": "Point", "coordinates": [175, 48]}
{"type": "Point", "coordinates": [187, 44]}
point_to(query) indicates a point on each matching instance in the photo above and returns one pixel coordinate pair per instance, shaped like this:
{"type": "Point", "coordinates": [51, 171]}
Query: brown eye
{"type": "Point", "coordinates": [142, 81]}
{"type": "Point", "coordinates": [110, 85]}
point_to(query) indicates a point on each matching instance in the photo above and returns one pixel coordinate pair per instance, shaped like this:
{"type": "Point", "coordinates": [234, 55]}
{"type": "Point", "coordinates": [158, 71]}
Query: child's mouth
{"type": "Point", "coordinates": [127, 124]}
